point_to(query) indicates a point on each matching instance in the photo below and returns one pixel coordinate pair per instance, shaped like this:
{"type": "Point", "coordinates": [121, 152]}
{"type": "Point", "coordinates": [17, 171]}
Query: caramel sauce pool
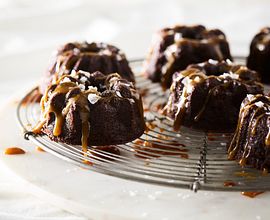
{"type": "Point", "coordinates": [229, 183]}
{"type": "Point", "coordinates": [251, 194]}
{"type": "Point", "coordinates": [40, 149]}
{"type": "Point", "coordinates": [14, 151]}
{"type": "Point", "coordinates": [156, 149]}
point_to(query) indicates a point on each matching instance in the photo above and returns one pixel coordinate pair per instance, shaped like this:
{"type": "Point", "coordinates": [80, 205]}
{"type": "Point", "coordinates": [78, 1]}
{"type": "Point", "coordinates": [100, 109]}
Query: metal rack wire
{"type": "Point", "coordinates": [185, 159]}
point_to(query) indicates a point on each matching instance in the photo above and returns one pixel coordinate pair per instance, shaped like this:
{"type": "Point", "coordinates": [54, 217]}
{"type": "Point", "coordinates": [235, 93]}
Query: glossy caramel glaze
{"type": "Point", "coordinates": [88, 57]}
{"type": "Point", "coordinates": [250, 144]}
{"type": "Point", "coordinates": [91, 109]}
{"type": "Point", "coordinates": [207, 96]}
{"type": "Point", "coordinates": [174, 48]}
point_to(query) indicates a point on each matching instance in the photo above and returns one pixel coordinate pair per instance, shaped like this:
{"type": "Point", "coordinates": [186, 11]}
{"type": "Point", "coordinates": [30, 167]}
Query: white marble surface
{"type": "Point", "coordinates": [31, 29]}
{"type": "Point", "coordinates": [98, 196]}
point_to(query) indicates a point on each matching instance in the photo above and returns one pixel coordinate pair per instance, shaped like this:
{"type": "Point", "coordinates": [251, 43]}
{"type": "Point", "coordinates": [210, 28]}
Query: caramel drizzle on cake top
{"type": "Point", "coordinates": [64, 86]}
{"type": "Point", "coordinates": [75, 92]}
{"type": "Point", "coordinates": [258, 108]}
{"type": "Point", "coordinates": [67, 60]}
{"type": "Point", "coordinates": [179, 39]}
{"type": "Point", "coordinates": [192, 77]}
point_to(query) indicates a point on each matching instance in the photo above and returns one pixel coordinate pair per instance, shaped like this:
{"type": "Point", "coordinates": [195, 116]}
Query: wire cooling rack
{"type": "Point", "coordinates": [184, 159]}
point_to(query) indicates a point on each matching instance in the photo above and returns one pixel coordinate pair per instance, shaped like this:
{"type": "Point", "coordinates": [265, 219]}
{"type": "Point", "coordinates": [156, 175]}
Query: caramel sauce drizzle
{"type": "Point", "coordinates": [171, 58]}
{"type": "Point", "coordinates": [13, 151]}
{"type": "Point", "coordinates": [251, 130]}
{"type": "Point", "coordinates": [67, 60]}
{"type": "Point", "coordinates": [267, 139]}
{"type": "Point", "coordinates": [47, 108]}
{"type": "Point", "coordinates": [190, 78]}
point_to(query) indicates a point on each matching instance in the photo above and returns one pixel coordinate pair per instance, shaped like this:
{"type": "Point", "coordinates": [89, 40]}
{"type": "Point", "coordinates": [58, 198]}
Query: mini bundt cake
{"type": "Point", "coordinates": [175, 48]}
{"type": "Point", "coordinates": [259, 56]}
{"type": "Point", "coordinates": [250, 144]}
{"type": "Point", "coordinates": [91, 109]}
{"type": "Point", "coordinates": [207, 96]}
{"type": "Point", "coordinates": [88, 57]}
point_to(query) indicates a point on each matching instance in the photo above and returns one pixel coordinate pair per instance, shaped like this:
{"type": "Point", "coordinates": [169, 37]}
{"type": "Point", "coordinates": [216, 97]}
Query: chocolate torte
{"type": "Point", "coordinates": [174, 48]}
{"type": "Point", "coordinates": [259, 56]}
{"type": "Point", "coordinates": [88, 57]}
{"type": "Point", "coordinates": [91, 109]}
{"type": "Point", "coordinates": [250, 144]}
{"type": "Point", "coordinates": [207, 96]}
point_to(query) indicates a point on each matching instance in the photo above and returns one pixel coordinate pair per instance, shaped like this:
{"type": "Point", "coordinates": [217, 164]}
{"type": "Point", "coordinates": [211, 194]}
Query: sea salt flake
{"type": "Point", "coordinates": [228, 61]}
{"type": "Point", "coordinates": [261, 47]}
{"type": "Point", "coordinates": [214, 62]}
{"type": "Point", "coordinates": [82, 87]}
{"type": "Point", "coordinates": [83, 79]}
{"type": "Point", "coordinates": [93, 98]}
{"type": "Point", "coordinates": [66, 79]}
{"type": "Point", "coordinates": [131, 100]}
{"type": "Point", "coordinates": [170, 50]}
{"type": "Point", "coordinates": [73, 73]}
{"type": "Point", "coordinates": [177, 36]}
{"type": "Point", "coordinates": [197, 79]}
{"type": "Point", "coordinates": [189, 88]}
{"type": "Point", "coordinates": [119, 94]}
{"type": "Point", "coordinates": [106, 52]}
{"type": "Point", "coordinates": [250, 97]}
{"type": "Point", "coordinates": [119, 57]}
{"type": "Point", "coordinates": [84, 73]}
{"type": "Point", "coordinates": [259, 104]}
{"type": "Point", "coordinates": [92, 89]}
{"type": "Point", "coordinates": [231, 75]}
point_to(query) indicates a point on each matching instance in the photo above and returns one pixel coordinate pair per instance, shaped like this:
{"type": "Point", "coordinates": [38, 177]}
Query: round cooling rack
{"type": "Point", "coordinates": [184, 159]}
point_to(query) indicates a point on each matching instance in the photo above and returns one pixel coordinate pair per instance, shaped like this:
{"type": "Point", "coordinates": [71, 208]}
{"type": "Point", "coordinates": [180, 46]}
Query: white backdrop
{"type": "Point", "coordinates": [30, 30]}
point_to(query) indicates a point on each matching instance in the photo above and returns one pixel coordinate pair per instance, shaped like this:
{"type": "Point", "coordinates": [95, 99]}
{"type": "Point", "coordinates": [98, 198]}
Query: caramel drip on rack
{"type": "Point", "coordinates": [251, 130]}
{"type": "Point", "coordinates": [80, 99]}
